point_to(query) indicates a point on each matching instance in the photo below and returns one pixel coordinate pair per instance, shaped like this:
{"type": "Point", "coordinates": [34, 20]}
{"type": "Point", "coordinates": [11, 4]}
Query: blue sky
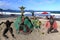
{"type": "Point", "coordinates": [52, 5]}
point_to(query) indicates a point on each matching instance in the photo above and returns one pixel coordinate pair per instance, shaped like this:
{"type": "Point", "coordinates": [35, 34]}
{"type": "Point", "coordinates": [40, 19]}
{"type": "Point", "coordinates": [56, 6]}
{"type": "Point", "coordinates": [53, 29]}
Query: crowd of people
{"type": "Point", "coordinates": [51, 25]}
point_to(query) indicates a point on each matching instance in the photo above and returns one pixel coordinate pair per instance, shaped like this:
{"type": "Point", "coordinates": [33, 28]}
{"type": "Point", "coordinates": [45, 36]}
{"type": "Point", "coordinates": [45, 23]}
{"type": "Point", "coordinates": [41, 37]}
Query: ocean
{"type": "Point", "coordinates": [37, 14]}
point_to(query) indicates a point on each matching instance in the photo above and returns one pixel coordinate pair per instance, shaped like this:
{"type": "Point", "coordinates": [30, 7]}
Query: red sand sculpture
{"type": "Point", "coordinates": [52, 26]}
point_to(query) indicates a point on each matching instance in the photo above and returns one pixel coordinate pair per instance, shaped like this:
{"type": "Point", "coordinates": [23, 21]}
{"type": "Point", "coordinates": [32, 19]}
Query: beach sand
{"type": "Point", "coordinates": [35, 35]}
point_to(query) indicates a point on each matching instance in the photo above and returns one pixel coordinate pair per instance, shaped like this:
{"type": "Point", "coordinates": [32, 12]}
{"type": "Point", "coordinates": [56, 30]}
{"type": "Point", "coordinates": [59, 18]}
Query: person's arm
{"type": "Point", "coordinates": [1, 23]}
{"type": "Point", "coordinates": [11, 22]}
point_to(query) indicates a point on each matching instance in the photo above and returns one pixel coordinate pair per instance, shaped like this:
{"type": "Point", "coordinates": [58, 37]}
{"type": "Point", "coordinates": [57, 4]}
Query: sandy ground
{"type": "Point", "coordinates": [35, 35]}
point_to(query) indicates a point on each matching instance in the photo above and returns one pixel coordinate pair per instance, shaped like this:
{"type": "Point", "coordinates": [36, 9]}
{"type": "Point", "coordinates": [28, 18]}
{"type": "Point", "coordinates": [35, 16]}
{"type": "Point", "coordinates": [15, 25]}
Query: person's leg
{"type": "Point", "coordinates": [11, 31]}
{"type": "Point", "coordinates": [4, 32]}
{"type": "Point", "coordinates": [20, 27]}
{"type": "Point", "coordinates": [28, 30]}
{"type": "Point", "coordinates": [55, 30]}
{"type": "Point", "coordinates": [49, 30]}
{"type": "Point", "coordinates": [38, 28]}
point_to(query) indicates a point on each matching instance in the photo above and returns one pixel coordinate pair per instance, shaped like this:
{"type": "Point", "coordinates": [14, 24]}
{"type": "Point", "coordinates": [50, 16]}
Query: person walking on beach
{"type": "Point", "coordinates": [51, 25]}
{"type": "Point", "coordinates": [8, 28]}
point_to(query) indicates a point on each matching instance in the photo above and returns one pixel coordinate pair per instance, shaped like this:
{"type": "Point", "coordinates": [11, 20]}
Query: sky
{"type": "Point", "coordinates": [44, 5]}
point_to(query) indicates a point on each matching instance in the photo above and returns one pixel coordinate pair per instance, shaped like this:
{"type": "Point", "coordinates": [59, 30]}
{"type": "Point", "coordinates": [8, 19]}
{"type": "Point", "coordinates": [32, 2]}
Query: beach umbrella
{"type": "Point", "coordinates": [44, 13]}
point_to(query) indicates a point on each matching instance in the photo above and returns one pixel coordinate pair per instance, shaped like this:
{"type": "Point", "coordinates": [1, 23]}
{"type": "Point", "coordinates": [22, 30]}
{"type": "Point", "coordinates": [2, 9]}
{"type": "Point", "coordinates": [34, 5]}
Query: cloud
{"type": "Point", "coordinates": [43, 1]}
{"type": "Point", "coordinates": [2, 3]}
{"type": "Point", "coordinates": [14, 4]}
{"type": "Point", "coordinates": [50, 1]}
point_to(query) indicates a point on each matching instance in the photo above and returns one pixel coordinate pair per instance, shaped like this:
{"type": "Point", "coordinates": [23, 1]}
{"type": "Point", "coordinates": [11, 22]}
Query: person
{"type": "Point", "coordinates": [8, 28]}
{"type": "Point", "coordinates": [25, 25]}
{"type": "Point", "coordinates": [21, 24]}
{"type": "Point", "coordinates": [29, 25]}
{"type": "Point", "coordinates": [51, 25]}
{"type": "Point", "coordinates": [36, 23]}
